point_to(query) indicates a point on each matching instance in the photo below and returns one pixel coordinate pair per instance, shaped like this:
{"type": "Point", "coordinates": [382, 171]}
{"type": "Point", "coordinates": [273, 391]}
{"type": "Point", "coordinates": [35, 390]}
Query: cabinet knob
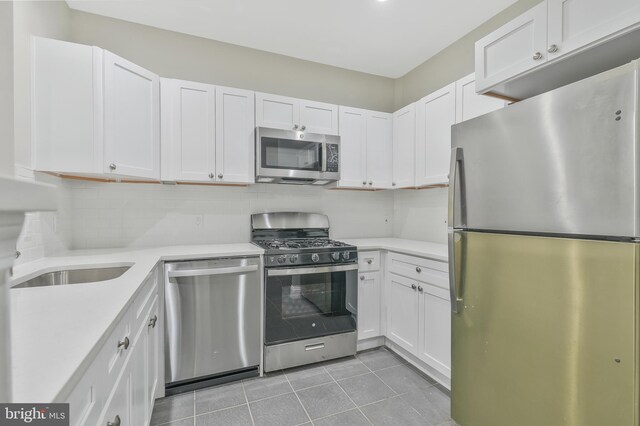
{"type": "Point", "coordinates": [553, 48]}
{"type": "Point", "coordinates": [418, 269]}
{"type": "Point", "coordinates": [211, 175]}
{"type": "Point", "coordinates": [393, 184]}
{"type": "Point", "coordinates": [361, 277]}
{"type": "Point", "coordinates": [303, 128]}
{"type": "Point", "coordinates": [413, 286]}
{"type": "Point", "coordinates": [115, 422]}
{"type": "Point", "coordinates": [124, 343]}
{"type": "Point", "coordinates": [112, 166]}
{"type": "Point", "coordinates": [370, 183]}
{"type": "Point", "coordinates": [219, 175]}
{"type": "Point", "coordinates": [537, 56]}
{"type": "Point", "coordinates": [364, 182]}
{"type": "Point", "coordinates": [295, 127]}
{"type": "Point", "coordinates": [369, 261]}
{"type": "Point", "coordinates": [152, 321]}
{"type": "Point", "coordinates": [420, 289]}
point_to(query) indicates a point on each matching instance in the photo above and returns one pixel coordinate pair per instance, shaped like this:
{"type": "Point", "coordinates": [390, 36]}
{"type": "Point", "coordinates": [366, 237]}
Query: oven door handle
{"type": "Point", "coordinates": [312, 270]}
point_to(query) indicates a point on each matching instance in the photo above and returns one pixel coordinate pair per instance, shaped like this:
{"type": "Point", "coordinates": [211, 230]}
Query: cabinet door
{"type": "Point", "coordinates": [379, 150]}
{"type": "Point", "coordinates": [188, 131]}
{"type": "Point", "coordinates": [353, 143]}
{"type": "Point", "coordinates": [470, 104]}
{"type": "Point", "coordinates": [277, 112]}
{"type": "Point", "coordinates": [404, 147]}
{"type": "Point", "coordinates": [138, 368]}
{"type": "Point", "coordinates": [512, 49]}
{"type": "Point", "coordinates": [435, 114]}
{"type": "Point", "coordinates": [67, 107]}
{"type": "Point", "coordinates": [318, 117]}
{"type": "Point", "coordinates": [402, 312]}
{"type": "Point", "coordinates": [369, 305]}
{"type": "Point", "coordinates": [235, 129]}
{"type": "Point", "coordinates": [153, 354]}
{"type": "Point", "coordinates": [576, 23]}
{"type": "Point", "coordinates": [117, 409]}
{"type": "Point", "coordinates": [435, 328]}
{"type": "Point", "coordinates": [132, 119]}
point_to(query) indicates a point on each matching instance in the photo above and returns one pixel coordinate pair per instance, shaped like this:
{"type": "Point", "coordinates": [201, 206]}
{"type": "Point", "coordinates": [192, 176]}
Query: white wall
{"type": "Point", "coordinates": [6, 88]}
{"type": "Point", "coordinates": [421, 214]}
{"type": "Point", "coordinates": [143, 215]}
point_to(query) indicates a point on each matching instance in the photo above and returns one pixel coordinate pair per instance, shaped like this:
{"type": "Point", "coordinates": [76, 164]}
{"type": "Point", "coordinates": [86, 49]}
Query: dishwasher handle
{"type": "Point", "coordinates": [212, 271]}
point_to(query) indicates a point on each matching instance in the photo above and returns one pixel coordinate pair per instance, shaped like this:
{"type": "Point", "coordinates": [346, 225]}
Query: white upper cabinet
{"type": "Point", "coordinates": [366, 149]}
{"type": "Point", "coordinates": [353, 145]}
{"type": "Point", "coordinates": [577, 23]}
{"type": "Point", "coordinates": [207, 133]}
{"type": "Point", "coordinates": [514, 48]}
{"type": "Point", "coordinates": [404, 147]}
{"type": "Point", "coordinates": [188, 131]}
{"type": "Point", "coordinates": [379, 150]}
{"type": "Point", "coordinates": [281, 112]}
{"type": "Point", "coordinates": [277, 112]}
{"type": "Point", "coordinates": [235, 135]}
{"type": "Point", "coordinates": [132, 119]}
{"type": "Point", "coordinates": [469, 104]}
{"type": "Point", "coordinates": [67, 109]}
{"type": "Point", "coordinates": [435, 114]}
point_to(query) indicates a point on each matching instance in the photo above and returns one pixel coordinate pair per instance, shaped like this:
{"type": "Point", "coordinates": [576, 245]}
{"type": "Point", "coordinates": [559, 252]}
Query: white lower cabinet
{"type": "Point", "coordinates": [368, 305]}
{"type": "Point", "coordinates": [120, 385]}
{"type": "Point", "coordinates": [419, 311]}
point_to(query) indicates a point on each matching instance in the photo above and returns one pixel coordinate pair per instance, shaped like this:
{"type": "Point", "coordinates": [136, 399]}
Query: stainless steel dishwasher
{"type": "Point", "coordinates": [212, 322]}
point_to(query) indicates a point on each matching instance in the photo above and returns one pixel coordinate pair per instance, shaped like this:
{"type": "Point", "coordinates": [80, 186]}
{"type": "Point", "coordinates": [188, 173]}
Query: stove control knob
{"type": "Point", "coordinates": [293, 258]}
{"type": "Point", "coordinates": [282, 259]}
{"type": "Point", "coordinates": [335, 255]}
{"type": "Point", "coordinates": [315, 257]}
{"type": "Point", "coordinates": [346, 255]}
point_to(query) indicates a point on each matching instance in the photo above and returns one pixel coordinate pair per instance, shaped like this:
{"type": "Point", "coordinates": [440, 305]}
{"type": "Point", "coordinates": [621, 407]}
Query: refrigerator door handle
{"type": "Point", "coordinates": [454, 277]}
{"type": "Point", "coordinates": [456, 158]}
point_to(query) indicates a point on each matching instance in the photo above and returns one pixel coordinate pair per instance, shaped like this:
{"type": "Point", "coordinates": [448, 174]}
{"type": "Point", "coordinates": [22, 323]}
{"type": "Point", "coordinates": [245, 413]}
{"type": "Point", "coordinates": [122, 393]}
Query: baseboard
{"type": "Point", "coordinates": [373, 342]}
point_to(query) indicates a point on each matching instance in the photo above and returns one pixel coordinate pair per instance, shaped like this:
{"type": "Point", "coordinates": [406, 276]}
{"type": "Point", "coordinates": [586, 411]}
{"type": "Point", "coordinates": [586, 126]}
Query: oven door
{"type": "Point", "coordinates": [308, 302]}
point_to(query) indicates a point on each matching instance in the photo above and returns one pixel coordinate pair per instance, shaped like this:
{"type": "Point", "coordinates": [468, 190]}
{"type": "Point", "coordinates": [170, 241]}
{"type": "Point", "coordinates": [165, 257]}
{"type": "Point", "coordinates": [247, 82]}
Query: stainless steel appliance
{"type": "Point", "coordinates": [296, 157]}
{"type": "Point", "coordinates": [544, 258]}
{"type": "Point", "coordinates": [212, 326]}
{"type": "Point", "coordinates": [311, 290]}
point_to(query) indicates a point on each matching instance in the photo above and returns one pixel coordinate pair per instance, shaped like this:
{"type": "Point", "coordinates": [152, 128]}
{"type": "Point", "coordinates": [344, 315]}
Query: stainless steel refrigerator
{"type": "Point", "coordinates": [544, 252]}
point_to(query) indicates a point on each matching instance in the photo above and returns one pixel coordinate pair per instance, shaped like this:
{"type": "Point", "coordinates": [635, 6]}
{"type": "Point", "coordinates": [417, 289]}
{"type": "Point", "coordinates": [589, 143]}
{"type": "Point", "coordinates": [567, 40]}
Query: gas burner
{"type": "Point", "coordinates": [297, 243]}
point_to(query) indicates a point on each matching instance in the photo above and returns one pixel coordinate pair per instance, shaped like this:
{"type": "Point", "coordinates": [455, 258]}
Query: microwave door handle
{"type": "Point", "coordinates": [324, 156]}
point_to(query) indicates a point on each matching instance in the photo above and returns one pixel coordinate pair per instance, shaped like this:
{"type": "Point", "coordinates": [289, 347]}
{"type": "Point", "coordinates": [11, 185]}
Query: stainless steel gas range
{"type": "Point", "coordinates": [311, 290]}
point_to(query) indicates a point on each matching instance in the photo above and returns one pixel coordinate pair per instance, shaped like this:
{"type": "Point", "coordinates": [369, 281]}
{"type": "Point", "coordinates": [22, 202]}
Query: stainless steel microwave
{"type": "Point", "coordinates": [296, 157]}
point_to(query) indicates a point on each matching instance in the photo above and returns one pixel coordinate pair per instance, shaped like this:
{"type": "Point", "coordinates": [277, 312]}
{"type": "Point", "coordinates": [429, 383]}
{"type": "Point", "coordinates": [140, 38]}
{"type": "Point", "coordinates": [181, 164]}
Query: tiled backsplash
{"type": "Point", "coordinates": [105, 215]}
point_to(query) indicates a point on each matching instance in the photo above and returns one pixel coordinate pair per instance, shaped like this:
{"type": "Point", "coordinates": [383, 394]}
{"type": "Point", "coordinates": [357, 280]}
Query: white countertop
{"type": "Point", "coordinates": [57, 331]}
{"type": "Point", "coordinates": [425, 249]}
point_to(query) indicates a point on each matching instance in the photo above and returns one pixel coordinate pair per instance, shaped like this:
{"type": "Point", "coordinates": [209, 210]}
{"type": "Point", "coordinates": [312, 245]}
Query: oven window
{"type": "Point", "coordinates": [310, 305]}
{"type": "Point", "coordinates": [290, 154]}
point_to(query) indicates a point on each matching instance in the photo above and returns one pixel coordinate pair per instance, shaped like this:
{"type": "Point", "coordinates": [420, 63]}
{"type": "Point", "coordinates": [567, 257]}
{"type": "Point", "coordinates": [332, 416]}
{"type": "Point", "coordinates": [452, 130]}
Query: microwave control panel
{"type": "Point", "coordinates": [333, 158]}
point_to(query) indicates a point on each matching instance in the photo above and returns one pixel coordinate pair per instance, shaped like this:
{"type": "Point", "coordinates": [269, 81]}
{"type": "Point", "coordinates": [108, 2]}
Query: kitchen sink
{"type": "Point", "coordinates": [74, 276]}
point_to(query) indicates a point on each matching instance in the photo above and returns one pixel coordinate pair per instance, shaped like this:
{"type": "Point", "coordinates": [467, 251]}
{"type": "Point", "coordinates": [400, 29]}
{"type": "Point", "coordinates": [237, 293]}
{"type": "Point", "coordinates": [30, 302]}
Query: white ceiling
{"type": "Point", "coordinates": [387, 38]}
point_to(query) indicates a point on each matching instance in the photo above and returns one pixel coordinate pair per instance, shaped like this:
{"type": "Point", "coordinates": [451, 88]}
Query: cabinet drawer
{"type": "Point", "coordinates": [114, 354]}
{"type": "Point", "coordinates": [368, 261]}
{"type": "Point", "coordinates": [424, 270]}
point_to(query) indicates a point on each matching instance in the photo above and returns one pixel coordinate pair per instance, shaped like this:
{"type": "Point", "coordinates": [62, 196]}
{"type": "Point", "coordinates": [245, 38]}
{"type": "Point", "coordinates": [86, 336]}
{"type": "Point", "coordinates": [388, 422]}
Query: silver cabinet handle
{"type": "Point", "coordinates": [123, 343]}
{"type": "Point", "coordinates": [369, 261]}
{"type": "Point", "coordinates": [413, 286]}
{"type": "Point", "coordinates": [115, 422]}
{"type": "Point", "coordinates": [295, 127]}
{"type": "Point", "coordinates": [220, 175]}
{"type": "Point", "coordinates": [211, 175]}
{"type": "Point", "coordinates": [537, 56]}
{"type": "Point", "coordinates": [303, 128]}
{"type": "Point", "coordinates": [112, 166]}
{"type": "Point", "coordinates": [152, 321]}
{"type": "Point", "coordinates": [314, 347]}
{"type": "Point", "coordinates": [418, 269]}
{"type": "Point", "coordinates": [553, 48]}
{"type": "Point", "coordinates": [420, 289]}
{"type": "Point", "coordinates": [361, 277]}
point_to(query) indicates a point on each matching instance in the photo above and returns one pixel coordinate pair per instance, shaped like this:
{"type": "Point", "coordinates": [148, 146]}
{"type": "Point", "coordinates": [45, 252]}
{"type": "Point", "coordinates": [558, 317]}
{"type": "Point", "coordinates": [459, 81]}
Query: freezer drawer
{"type": "Point", "coordinates": [213, 316]}
{"type": "Point", "coordinates": [546, 332]}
